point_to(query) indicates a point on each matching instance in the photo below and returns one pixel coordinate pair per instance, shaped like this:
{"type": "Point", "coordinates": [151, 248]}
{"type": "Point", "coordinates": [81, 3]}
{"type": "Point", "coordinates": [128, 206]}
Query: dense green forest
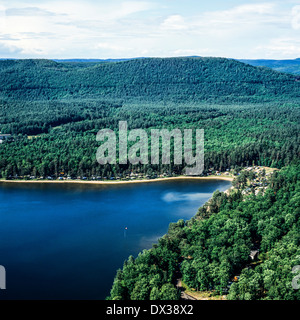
{"type": "Point", "coordinates": [287, 65]}
{"type": "Point", "coordinates": [54, 110]}
{"type": "Point", "coordinates": [213, 248]}
{"type": "Point", "coordinates": [174, 79]}
{"type": "Point", "coordinates": [250, 116]}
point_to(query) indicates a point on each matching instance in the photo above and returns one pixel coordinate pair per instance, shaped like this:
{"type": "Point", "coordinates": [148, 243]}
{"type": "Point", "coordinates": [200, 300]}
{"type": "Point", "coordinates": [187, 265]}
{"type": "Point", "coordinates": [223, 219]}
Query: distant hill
{"type": "Point", "coordinates": [289, 66]}
{"type": "Point", "coordinates": [93, 60]}
{"type": "Point", "coordinates": [176, 79]}
{"type": "Point", "coordinates": [83, 63]}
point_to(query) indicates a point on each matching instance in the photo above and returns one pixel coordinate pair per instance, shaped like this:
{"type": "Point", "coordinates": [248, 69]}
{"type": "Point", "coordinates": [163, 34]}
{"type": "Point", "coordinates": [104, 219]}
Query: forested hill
{"type": "Point", "coordinates": [176, 79]}
{"type": "Point", "coordinates": [54, 110]}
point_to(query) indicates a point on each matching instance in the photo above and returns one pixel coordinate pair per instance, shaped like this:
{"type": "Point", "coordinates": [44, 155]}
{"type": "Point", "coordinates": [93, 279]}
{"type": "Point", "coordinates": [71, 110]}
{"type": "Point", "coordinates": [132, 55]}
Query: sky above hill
{"type": "Point", "coordinates": [154, 28]}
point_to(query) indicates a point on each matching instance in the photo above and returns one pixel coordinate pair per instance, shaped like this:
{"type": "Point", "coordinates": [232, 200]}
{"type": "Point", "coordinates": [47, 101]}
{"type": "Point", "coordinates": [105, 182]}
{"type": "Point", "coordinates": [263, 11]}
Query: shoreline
{"type": "Point", "coordinates": [120, 181]}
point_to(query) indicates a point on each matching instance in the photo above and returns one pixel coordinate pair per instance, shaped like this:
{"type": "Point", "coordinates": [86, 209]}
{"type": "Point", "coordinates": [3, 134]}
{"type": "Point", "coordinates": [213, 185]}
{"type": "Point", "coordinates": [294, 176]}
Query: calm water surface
{"type": "Point", "coordinates": [67, 241]}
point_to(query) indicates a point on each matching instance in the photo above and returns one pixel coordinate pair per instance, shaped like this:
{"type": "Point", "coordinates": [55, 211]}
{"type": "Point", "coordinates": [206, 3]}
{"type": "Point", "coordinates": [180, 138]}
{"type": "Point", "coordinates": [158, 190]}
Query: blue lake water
{"type": "Point", "coordinates": [66, 241]}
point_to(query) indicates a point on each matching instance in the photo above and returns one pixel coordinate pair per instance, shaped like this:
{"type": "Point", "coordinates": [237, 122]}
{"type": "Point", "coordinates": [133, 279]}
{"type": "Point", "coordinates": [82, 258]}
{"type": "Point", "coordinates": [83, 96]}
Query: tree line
{"type": "Point", "coordinates": [60, 136]}
{"type": "Point", "coordinates": [211, 251]}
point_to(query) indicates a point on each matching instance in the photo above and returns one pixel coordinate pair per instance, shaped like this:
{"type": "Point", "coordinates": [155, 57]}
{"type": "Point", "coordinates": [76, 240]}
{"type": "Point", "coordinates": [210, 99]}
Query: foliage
{"type": "Point", "coordinates": [176, 79]}
{"type": "Point", "coordinates": [210, 252]}
{"type": "Point", "coordinates": [54, 110]}
{"type": "Point", "coordinates": [250, 116]}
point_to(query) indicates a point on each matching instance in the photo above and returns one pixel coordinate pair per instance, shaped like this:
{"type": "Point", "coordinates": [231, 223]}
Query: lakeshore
{"type": "Point", "coordinates": [107, 182]}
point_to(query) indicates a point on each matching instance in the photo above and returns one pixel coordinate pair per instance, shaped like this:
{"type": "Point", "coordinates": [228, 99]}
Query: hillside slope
{"type": "Point", "coordinates": [176, 79]}
{"type": "Point", "coordinates": [54, 110]}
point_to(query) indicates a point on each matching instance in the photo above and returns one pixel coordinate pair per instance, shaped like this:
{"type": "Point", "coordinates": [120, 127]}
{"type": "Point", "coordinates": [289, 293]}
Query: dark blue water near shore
{"type": "Point", "coordinates": [67, 241]}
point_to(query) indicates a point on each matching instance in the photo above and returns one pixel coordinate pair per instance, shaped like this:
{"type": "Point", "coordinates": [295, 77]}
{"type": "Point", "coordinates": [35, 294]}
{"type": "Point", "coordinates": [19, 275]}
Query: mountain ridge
{"type": "Point", "coordinates": [192, 78]}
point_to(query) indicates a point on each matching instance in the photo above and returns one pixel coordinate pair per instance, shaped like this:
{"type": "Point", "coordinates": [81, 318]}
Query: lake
{"type": "Point", "coordinates": [66, 241]}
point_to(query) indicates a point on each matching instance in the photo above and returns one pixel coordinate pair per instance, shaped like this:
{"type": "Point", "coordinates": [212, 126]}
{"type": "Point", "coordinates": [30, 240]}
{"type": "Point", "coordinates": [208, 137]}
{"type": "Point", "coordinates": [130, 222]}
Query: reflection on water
{"type": "Point", "coordinates": [180, 196]}
{"type": "Point", "coordinates": [148, 241]}
{"type": "Point", "coordinates": [67, 241]}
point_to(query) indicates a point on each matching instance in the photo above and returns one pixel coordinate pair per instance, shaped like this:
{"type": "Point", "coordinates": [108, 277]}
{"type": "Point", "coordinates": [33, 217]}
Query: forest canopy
{"type": "Point", "coordinates": [250, 116]}
{"type": "Point", "coordinates": [211, 252]}
{"type": "Point", "coordinates": [54, 110]}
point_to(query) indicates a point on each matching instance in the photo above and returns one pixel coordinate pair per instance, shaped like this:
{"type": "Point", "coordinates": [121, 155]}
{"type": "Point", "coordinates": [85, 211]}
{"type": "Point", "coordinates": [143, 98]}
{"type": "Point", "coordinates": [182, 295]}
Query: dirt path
{"type": "Point", "coordinates": [183, 295]}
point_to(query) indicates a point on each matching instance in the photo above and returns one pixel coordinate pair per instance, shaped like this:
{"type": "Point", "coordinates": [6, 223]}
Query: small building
{"type": "Point", "coordinates": [4, 137]}
{"type": "Point", "coordinates": [254, 254]}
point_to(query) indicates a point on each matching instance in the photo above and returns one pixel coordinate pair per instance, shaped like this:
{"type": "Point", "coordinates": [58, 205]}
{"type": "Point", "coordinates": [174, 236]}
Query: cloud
{"type": "Point", "coordinates": [261, 8]}
{"type": "Point", "coordinates": [94, 10]}
{"type": "Point", "coordinates": [242, 17]}
{"type": "Point", "coordinates": [120, 28]}
{"type": "Point", "coordinates": [8, 50]}
{"type": "Point", "coordinates": [174, 22]}
{"type": "Point", "coordinates": [29, 11]}
{"type": "Point", "coordinates": [193, 52]}
{"type": "Point", "coordinates": [296, 18]}
{"type": "Point", "coordinates": [5, 37]}
{"type": "Point", "coordinates": [130, 7]}
{"type": "Point", "coordinates": [108, 46]}
{"type": "Point", "coordinates": [283, 48]}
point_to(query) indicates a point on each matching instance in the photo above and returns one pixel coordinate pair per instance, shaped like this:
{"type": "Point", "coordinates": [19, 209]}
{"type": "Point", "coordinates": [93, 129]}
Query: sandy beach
{"type": "Point", "coordinates": [120, 181]}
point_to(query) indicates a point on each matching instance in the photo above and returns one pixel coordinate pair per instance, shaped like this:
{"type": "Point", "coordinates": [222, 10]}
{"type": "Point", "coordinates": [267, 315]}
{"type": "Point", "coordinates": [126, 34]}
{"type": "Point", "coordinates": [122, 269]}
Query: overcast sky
{"type": "Point", "coordinates": [153, 28]}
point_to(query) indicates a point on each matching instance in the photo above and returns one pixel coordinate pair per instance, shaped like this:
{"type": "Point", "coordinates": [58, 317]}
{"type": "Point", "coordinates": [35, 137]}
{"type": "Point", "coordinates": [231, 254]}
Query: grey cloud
{"type": "Point", "coordinates": [37, 35]}
{"type": "Point", "coordinates": [4, 37]}
{"type": "Point", "coordinates": [26, 35]}
{"type": "Point", "coordinates": [9, 52]}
